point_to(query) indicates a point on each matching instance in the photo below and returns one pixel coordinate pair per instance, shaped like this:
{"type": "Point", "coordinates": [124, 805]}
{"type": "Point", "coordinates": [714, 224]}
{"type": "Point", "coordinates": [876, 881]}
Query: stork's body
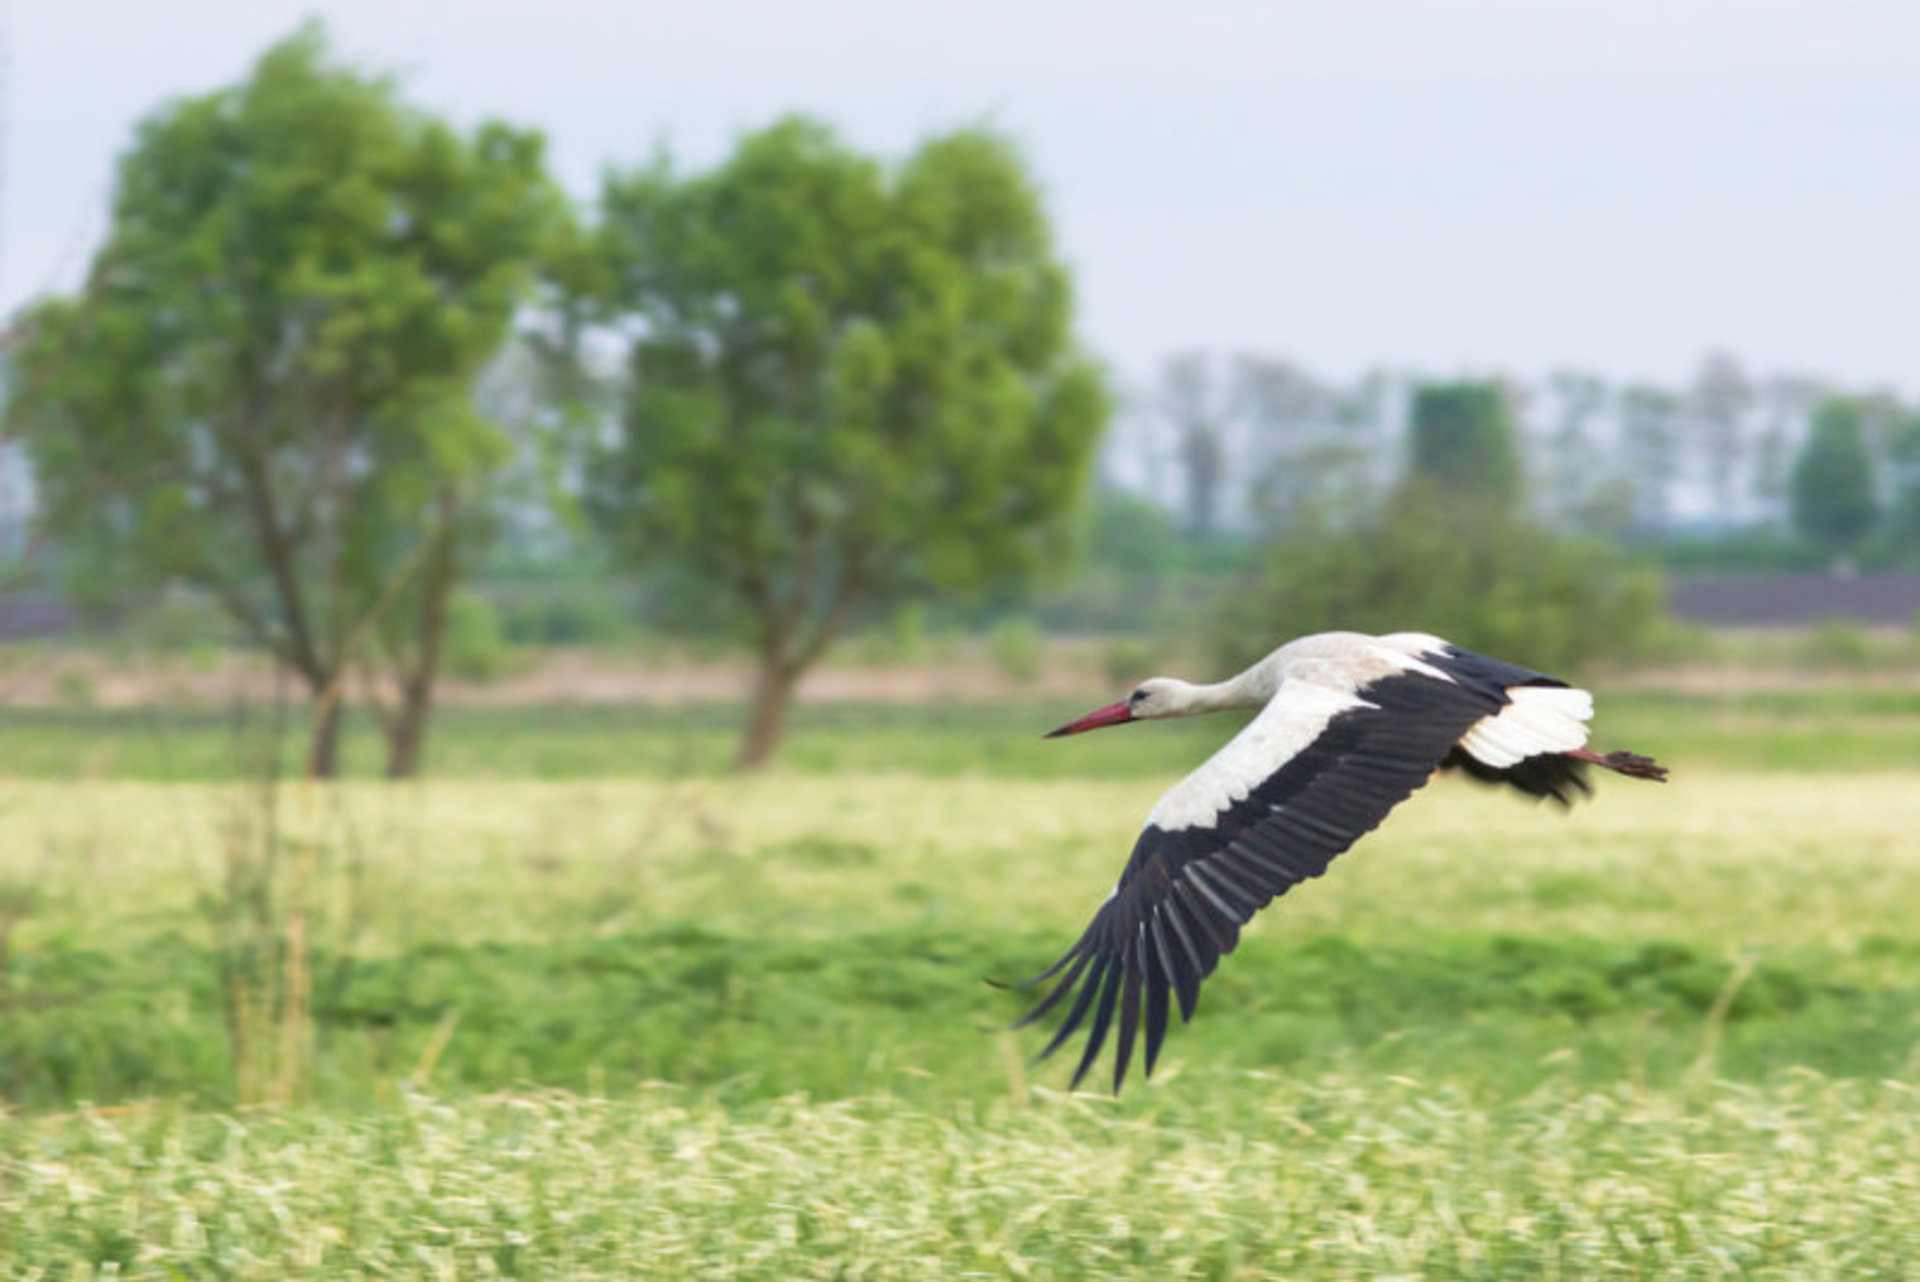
{"type": "Point", "coordinates": [1349, 726]}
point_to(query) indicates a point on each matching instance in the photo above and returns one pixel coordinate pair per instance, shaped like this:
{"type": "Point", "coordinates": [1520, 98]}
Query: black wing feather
{"type": "Point", "coordinates": [1186, 892]}
{"type": "Point", "coordinates": [1561, 778]}
{"type": "Point", "coordinates": [1156, 1009]}
{"type": "Point", "coordinates": [1080, 958]}
{"type": "Point", "coordinates": [1102, 1021]}
{"type": "Point", "coordinates": [1101, 965]}
{"type": "Point", "coordinates": [1189, 966]}
{"type": "Point", "coordinates": [1130, 1008]}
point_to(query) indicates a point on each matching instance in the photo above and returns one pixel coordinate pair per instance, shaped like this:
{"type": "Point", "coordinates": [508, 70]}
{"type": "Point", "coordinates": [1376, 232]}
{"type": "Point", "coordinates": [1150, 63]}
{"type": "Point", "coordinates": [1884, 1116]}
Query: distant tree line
{"type": "Point", "coordinates": [1253, 446]}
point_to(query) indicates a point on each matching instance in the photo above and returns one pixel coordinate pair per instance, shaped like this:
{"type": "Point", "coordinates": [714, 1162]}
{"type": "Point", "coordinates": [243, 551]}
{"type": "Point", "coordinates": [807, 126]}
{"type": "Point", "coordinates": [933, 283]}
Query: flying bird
{"type": "Point", "coordinates": [1349, 726]}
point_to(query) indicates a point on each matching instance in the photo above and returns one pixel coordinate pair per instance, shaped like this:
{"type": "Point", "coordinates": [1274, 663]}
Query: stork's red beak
{"type": "Point", "coordinates": [1112, 715]}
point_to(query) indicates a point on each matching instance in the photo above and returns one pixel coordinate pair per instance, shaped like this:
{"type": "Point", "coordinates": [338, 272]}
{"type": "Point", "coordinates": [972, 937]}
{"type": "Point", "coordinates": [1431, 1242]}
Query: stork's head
{"type": "Point", "coordinates": [1153, 698]}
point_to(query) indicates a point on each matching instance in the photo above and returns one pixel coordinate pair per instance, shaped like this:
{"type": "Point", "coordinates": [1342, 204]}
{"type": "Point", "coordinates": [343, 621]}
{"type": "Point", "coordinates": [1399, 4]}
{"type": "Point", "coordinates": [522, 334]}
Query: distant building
{"type": "Point", "coordinates": [31, 617]}
{"type": "Point", "coordinates": [1785, 600]}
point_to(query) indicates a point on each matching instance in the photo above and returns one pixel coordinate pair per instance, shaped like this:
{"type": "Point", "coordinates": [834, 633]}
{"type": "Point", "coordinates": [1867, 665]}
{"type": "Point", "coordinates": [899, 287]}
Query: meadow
{"type": "Point", "coordinates": [580, 1006]}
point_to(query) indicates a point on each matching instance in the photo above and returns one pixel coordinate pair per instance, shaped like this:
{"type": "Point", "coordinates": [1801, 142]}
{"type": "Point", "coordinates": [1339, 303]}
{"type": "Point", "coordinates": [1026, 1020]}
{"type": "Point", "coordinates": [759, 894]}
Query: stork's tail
{"type": "Point", "coordinates": [1630, 764]}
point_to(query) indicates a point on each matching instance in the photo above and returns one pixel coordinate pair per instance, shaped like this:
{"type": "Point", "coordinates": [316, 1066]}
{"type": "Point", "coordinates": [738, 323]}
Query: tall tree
{"type": "Point", "coordinates": [265, 387]}
{"type": "Point", "coordinates": [1359, 409]}
{"type": "Point", "coordinates": [1904, 463]}
{"type": "Point", "coordinates": [1650, 450]}
{"type": "Point", "coordinates": [1312, 456]}
{"type": "Point", "coordinates": [1883, 420]}
{"type": "Point", "coordinates": [1718, 402]}
{"type": "Point", "coordinates": [1191, 403]}
{"type": "Point", "coordinates": [850, 381]}
{"type": "Point", "coordinates": [1463, 444]}
{"type": "Point", "coordinates": [1578, 485]}
{"type": "Point", "coordinates": [1833, 483]}
{"type": "Point", "coordinates": [1788, 402]}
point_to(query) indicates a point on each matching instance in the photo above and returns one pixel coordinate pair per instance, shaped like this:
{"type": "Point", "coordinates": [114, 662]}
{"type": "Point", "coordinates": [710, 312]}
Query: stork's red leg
{"type": "Point", "coordinates": [1630, 764]}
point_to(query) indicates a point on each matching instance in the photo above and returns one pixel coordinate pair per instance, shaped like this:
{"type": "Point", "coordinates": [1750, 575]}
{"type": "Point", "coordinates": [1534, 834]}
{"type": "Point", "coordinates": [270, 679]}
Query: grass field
{"type": "Point", "coordinates": [673, 1024]}
{"type": "Point", "coordinates": [1825, 730]}
{"type": "Point", "coordinates": [1352, 1175]}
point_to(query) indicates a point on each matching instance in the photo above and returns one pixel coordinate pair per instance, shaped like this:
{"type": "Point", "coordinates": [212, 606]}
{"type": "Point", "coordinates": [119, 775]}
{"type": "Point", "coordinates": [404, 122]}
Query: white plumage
{"type": "Point", "coordinates": [1540, 719]}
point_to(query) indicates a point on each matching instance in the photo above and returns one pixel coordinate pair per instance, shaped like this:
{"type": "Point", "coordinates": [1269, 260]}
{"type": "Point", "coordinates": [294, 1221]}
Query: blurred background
{"type": "Point", "coordinates": [706, 449]}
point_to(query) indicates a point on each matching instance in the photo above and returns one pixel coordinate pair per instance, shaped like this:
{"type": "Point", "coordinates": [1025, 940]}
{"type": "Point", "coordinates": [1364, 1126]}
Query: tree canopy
{"type": "Point", "coordinates": [1833, 490]}
{"type": "Point", "coordinates": [266, 386]}
{"type": "Point", "coordinates": [1905, 458]}
{"type": "Point", "coordinates": [849, 381]}
{"type": "Point", "coordinates": [1463, 443]}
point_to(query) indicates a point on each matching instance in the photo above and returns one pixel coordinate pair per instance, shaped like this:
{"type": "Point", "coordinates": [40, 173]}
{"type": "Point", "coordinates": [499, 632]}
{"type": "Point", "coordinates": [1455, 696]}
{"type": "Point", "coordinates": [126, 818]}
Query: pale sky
{"type": "Point", "coordinates": [1451, 187]}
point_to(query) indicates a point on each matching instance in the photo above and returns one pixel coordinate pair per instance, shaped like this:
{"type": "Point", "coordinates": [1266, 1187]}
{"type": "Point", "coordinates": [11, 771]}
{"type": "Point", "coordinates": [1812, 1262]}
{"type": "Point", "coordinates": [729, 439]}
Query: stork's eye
{"type": "Point", "coordinates": [1137, 698]}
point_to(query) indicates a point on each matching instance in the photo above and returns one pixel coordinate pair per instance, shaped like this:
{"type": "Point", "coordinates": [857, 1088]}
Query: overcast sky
{"type": "Point", "coordinates": [1443, 186]}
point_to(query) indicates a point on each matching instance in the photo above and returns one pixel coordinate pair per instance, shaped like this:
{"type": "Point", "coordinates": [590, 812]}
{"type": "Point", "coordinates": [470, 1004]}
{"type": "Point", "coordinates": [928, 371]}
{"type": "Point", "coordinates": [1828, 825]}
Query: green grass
{"type": "Point", "coordinates": [1802, 730]}
{"type": "Point", "coordinates": [679, 1025]}
{"type": "Point", "coordinates": [1349, 1175]}
{"type": "Point", "coordinates": [831, 935]}
{"type": "Point", "coordinates": [904, 1013]}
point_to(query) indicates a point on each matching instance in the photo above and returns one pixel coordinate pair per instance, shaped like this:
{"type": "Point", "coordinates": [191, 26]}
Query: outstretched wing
{"type": "Point", "coordinates": [1313, 773]}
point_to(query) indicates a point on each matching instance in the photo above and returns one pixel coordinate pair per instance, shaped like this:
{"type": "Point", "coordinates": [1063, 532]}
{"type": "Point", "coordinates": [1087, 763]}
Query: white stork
{"type": "Point", "coordinates": [1349, 726]}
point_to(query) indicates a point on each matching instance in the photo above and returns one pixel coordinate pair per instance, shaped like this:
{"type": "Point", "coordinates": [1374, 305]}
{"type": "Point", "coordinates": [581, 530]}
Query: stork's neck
{"type": "Point", "coordinates": [1250, 689]}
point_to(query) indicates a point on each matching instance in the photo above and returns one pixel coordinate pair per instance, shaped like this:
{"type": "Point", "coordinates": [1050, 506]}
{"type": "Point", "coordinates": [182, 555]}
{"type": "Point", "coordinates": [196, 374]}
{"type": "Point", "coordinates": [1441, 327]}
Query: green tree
{"type": "Point", "coordinates": [1463, 444]}
{"type": "Point", "coordinates": [266, 386]}
{"type": "Point", "coordinates": [1833, 494]}
{"type": "Point", "coordinates": [1904, 457]}
{"type": "Point", "coordinates": [850, 382]}
{"type": "Point", "coordinates": [1788, 402]}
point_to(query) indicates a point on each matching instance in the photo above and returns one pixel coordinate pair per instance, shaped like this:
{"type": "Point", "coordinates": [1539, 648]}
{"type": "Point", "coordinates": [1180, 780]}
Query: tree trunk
{"type": "Point", "coordinates": [773, 688]}
{"type": "Point", "coordinates": [323, 743]}
{"type": "Point", "coordinates": [409, 733]}
{"type": "Point", "coordinates": [407, 736]}
{"type": "Point", "coordinates": [787, 649]}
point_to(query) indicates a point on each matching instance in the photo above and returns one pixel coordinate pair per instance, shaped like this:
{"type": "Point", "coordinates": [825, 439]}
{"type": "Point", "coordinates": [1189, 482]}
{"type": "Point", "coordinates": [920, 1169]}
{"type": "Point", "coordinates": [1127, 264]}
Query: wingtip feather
{"type": "Point", "coordinates": [1054, 994]}
{"type": "Point", "coordinates": [1094, 980]}
{"type": "Point", "coordinates": [1102, 1023]}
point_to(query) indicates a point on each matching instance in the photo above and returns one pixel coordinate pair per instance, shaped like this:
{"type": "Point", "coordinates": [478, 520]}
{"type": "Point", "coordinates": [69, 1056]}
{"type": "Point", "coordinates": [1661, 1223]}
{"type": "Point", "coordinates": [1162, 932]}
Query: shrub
{"type": "Point", "coordinates": [901, 639]}
{"type": "Point", "coordinates": [1014, 647]}
{"type": "Point", "coordinates": [75, 688]}
{"type": "Point", "coordinates": [1127, 661]}
{"type": "Point", "coordinates": [476, 648]}
{"type": "Point", "coordinates": [569, 614]}
{"type": "Point", "coordinates": [179, 621]}
{"type": "Point", "coordinates": [1837, 643]}
{"type": "Point", "coordinates": [1429, 564]}
{"type": "Point", "coordinates": [909, 631]}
